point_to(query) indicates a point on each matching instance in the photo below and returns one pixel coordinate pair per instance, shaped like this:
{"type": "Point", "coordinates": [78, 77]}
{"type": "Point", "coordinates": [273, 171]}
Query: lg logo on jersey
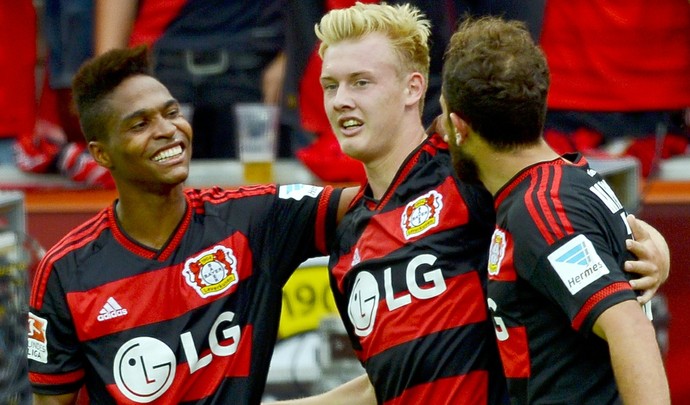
{"type": "Point", "coordinates": [144, 367]}
{"type": "Point", "coordinates": [364, 299]}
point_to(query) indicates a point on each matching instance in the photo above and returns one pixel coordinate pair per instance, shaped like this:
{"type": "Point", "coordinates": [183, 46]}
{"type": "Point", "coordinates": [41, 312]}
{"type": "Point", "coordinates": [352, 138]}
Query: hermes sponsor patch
{"type": "Point", "coordinates": [578, 264]}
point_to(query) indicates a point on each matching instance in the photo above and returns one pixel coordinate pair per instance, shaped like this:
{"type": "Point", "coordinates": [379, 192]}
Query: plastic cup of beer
{"type": "Point", "coordinates": [257, 133]}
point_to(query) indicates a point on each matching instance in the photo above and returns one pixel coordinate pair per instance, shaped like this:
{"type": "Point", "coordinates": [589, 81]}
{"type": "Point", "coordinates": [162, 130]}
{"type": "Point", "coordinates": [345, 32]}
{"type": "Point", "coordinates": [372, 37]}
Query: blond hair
{"type": "Point", "coordinates": [404, 25]}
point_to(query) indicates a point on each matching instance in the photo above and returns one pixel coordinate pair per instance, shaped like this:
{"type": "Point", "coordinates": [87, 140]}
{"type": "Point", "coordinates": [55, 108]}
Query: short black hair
{"type": "Point", "coordinates": [98, 77]}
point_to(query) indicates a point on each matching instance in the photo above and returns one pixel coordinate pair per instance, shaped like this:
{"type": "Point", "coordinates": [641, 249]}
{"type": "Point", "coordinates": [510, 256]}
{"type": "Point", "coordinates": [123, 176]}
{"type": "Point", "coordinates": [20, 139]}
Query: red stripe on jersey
{"type": "Point", "coordinates": [74, 240]}
{"type": "Point", "coordinates": [550, 193]}
{"type": "Point", "coordinates": [135, 248]}
{"type": "Point", "coordinates": [320, 231]}
{"type": "Point", "coordinates": [468, 389]}
{"type": "Point", "coordinates": [234, 365]}
{"type": "Point", "coordinates": [399, 179]}
{"type": "Point", "coordinates": [341, 268]}
{"type": "Point", "coordinates": [146, 252]}
{"type": "Point", "coordinates": [534, 213]}
{"type": "Point", "coordinates": [218, 195]}
{"type": "Point", "coordinates": [543, 195]}
{"type": "Point", "coordinates": [596, 298]}
{"type": "Point", "coordinates": [174, 295]}
{"type": "Point", "coordinates": [558, 204]}
{"type": "Point", "coordinates": [422, 317]}
{"type": "Point", "coordinates": [515, 353]}
{"type": "Point", "coordinates": [435, 144]}
{"type": "Point", "coordinates": [387, 231]}
{"type": "Point", "coordinates": [210, 371]}
{"type": "Point", "coordinates": [505, 192]}
{"type": "Point", "coordinates": [56, 379]}
{"type": "Point", "coordinates": [174, 242]}
{"type": "Point", "coordinates": [546, 192]}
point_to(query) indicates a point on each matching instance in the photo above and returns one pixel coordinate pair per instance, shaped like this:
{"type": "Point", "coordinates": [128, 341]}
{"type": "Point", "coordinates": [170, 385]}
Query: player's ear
{"type": "Point", "coordinates": [100, 154]}
{"type": "Point", "coordinates": [415, 87]}
{"type": "Point", "coordinates": [461, 128]}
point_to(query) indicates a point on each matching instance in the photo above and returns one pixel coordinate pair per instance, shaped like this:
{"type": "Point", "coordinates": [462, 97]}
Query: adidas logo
{"type": "Point", "coordinates": [110, 310]}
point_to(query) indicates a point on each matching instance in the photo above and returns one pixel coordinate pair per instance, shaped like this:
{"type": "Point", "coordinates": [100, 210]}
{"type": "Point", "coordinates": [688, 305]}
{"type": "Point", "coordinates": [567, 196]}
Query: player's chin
{"type": "Point", "coordinates": [176, 176]}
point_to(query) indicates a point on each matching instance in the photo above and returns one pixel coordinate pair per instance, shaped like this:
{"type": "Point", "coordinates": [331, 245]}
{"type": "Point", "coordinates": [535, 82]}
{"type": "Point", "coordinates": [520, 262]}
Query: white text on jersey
{"type": "Point", "coordinates": [602, 190]}
{"type": "Point", "coordinates": [364, 298]}
{"type": "Point", "coordinates": [111, 309]}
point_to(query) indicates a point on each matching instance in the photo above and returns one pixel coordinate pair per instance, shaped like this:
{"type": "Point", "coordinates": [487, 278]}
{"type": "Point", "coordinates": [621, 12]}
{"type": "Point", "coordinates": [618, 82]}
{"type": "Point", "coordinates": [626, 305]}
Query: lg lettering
{"type": "Point", "coordinates": [232, 332]}
{"type": "Point", "coordinates": [364, 298]}
{"type": "Point", "coordinates": [499, 325]}
{"type": "Point", "coordinates": [435, 277]}
{"type": "Point", "coordinates": [144, 367]}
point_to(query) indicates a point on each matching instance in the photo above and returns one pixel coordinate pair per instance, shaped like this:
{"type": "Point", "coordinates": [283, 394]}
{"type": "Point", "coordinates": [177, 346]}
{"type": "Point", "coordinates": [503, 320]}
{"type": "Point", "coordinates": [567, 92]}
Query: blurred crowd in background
{"type": "Point", "coordinates": [620, 74]}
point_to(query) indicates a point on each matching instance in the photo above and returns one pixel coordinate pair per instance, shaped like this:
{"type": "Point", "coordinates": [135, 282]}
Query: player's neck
{"type": "Point", "coordinates": [497, 168]}
{"type": "Point", "coordinates": [151, 219]}
{"type": "Point", "coordinates": [381, 172]}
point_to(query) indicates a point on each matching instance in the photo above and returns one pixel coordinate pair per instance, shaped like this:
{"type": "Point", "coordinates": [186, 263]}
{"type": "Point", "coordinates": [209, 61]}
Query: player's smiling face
{"type": "Point", "coordinates": [150, 141]}
{"type": "Point", "coordinates": [364, 95]}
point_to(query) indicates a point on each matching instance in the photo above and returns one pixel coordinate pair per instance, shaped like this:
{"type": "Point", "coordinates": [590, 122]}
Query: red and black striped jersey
{"type": "Point", "coordinates": [408, 277]}
{"type": "Point", "coordinates": [555, 265]}
{"type": "Point", "coordinates": [193, 322]}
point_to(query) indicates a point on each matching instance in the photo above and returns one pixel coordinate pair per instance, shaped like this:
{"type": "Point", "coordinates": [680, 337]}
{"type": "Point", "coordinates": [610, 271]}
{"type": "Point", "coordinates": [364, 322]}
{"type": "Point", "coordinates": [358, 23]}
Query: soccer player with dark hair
{"type": "Point", "coordinates": [169, 295]}
{"type": "Point", "coordinates": [408, 266]}
{"type": "Point", "coordinates": [569, 326]}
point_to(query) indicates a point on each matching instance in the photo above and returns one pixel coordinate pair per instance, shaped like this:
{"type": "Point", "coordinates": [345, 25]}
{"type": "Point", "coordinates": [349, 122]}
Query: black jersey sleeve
{"type": "Point", "coordinates": [572, 247]}
{"type": "Point", "coordinates": [303, 222]}
{"type": "Point", "coordinates": [55, 363]}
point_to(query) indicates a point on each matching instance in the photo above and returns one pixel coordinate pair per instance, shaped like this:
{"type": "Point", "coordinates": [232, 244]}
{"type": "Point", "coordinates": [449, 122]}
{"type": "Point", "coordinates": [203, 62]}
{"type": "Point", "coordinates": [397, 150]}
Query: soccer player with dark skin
{"type": "Point", "coordinates": [171, 294]}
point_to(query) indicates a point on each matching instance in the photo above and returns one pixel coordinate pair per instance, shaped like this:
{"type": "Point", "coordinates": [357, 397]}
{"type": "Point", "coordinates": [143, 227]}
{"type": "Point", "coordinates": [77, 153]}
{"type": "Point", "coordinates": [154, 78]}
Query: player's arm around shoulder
{"type": "Point", "coordinates": [357, 391]}
{"type": "Point", "coordinates": [635, 357]}
{"type": "Point", "coordinates": [653, 258]}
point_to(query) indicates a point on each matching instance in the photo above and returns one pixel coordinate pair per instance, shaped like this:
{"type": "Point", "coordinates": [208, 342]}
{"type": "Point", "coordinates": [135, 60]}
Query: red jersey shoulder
{"type": "Point", "coordinates": [218, 194]}
{"type": "Point", "coordinates": [74, 240]}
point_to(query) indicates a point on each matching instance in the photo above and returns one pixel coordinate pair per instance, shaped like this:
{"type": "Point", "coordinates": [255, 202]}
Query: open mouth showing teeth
{"type": "Point", "coordinates": [168, 153]}
{"type": "Point", "coordinates": [351, 123]}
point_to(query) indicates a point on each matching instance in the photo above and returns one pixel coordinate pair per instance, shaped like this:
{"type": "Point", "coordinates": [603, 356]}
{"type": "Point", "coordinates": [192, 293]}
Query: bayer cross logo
{"type": "Point", "coordinates": [497, 251]}
{"type": "Point", "coordinates": [422, 214]}
{"type": "Point", "coordinates": [144, 369]}
{"type": "Point", "coordinates": [212, 272]}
